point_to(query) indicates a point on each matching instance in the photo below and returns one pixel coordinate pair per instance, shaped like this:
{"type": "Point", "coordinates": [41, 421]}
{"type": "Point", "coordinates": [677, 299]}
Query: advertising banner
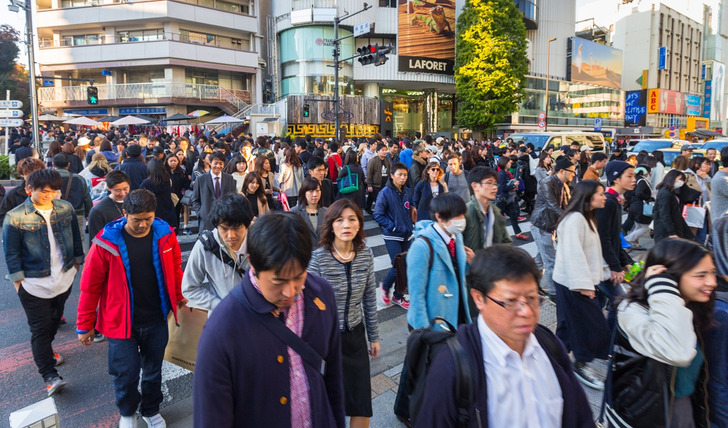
{"type": "Point", "coordinates": [426, 41]}
{"type": "Point", "coordinates": [653, 101]}
{"type": "Point", "coordinates": [717, 109]}
{"type": "Point", "coordinates": [707, 104]}
{"type": "Point", "coordinates": [692, 105]}
{"type": "Point", "coordinates": [635, 108]}
{"type": "Point", "coordinates": [671, 102]}
{"type": "Point", "coordinates": [594, 63]}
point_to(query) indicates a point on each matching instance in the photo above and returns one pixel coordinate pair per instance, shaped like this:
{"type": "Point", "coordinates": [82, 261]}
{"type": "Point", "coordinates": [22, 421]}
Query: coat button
{"type": "Point", "coordinates": [280, 359]}
{"type": "Point", "coordinates": [284, 400]}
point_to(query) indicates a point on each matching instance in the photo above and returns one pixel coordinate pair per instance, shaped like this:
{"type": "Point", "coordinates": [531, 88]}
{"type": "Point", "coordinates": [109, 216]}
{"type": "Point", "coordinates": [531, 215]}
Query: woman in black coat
{"type": "Point", "coordinates": [160, 183]}
{"type": "Point", "coordinates": [667, 213]}
{"type": "Point", "coordinates": [350, 161]}
{"type": "Point", "coordinates": [638, 222]}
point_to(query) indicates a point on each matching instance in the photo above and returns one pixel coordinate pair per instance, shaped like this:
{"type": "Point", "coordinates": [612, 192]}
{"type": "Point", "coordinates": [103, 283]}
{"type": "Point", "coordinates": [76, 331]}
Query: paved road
{"type": "Point", "coordinates": [88, 400]}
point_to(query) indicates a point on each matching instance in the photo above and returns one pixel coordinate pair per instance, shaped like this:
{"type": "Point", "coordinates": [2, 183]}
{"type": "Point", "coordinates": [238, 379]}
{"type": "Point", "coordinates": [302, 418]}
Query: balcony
{"type": "Point", "coordinates": [231, 101]}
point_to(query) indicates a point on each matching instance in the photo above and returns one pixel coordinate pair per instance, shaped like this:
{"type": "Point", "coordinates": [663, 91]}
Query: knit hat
{"type": "Point", "coordinates": [614, 169]}
{"type": "Point", "coordinates": [563, 163]}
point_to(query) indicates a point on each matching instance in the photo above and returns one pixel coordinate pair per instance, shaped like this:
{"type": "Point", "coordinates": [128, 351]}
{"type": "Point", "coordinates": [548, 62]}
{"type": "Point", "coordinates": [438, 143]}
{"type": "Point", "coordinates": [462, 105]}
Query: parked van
{"type": "Point", "coordinates": [595, 140]}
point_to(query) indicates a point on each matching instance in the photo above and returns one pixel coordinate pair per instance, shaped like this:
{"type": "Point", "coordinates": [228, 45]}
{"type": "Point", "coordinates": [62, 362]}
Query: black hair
{"type": "Point", "coordinates": [158, 172]}
{"type": "Point", "coordinates": [334, 146]}
{"type": "Point", "coordinates": [661, 156]}
{"type": "Point", "coordinates": [292, 236]}
{"type": "Point", "coordinates": [219, 156]}
{"type": "Point", "coordinates": [60, 161]}
{"type": "Point", "coordinates": [351, 156]}
{"type": "Point", "coordinates": [140, 201]}
{"type": "Point", "coordinates": [115, 177]}
{"type": "Point", "coordinates": [668, 183]}
{"type": "Point", "coordinates": [724, 152]}
{"type": "Point", "coordinates": [381, 146]}
{"type": "Point", "coordinates": [499, 262]}
{"type": "Point", "coordinates": [232, 165]}
{"type": "Point", "coordinates": [598, 156]}
{"type": "Point", "coordinates": [448, 206]}
{"type": "Point", "coordinates": [308, 184]}
{"type": "Point", "coordinates": [315, 162]}
{"type": "Point", "coordinates": [696, 162]}
{"type": "Point", "coordinates": [581, 202]}
{"type": "Point", "coordinates": [503, 161]}
{"type": "Point", "coordinates": [133, 151]}
{"type": "Point", "coordinates": [396, 167]}
{"type": "Point", "coordinates": [231, 209]}
{"type": "Point", "coordinates": [480, 173]}
{"type": "Point", "coordinates": [42, 178]}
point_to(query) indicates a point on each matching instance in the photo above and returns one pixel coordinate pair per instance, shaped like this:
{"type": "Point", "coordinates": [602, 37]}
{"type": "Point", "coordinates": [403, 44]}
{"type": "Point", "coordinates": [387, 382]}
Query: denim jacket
{"type": "Point", "coordinates": [26, 245]}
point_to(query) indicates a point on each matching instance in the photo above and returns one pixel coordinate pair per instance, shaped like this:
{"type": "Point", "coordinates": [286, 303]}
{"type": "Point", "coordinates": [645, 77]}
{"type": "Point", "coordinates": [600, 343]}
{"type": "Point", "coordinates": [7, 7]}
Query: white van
{"type": "Point", "coordinates": [595, 140]}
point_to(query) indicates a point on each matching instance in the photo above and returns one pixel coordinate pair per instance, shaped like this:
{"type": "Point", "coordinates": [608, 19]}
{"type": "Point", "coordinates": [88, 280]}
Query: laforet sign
{"type": "Point", "coordinates": [426, 42]}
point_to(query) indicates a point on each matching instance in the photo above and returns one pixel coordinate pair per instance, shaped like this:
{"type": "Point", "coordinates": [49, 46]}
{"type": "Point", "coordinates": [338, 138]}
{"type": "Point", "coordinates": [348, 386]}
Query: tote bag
{"type": "Point", "coordinates": [349, 183]}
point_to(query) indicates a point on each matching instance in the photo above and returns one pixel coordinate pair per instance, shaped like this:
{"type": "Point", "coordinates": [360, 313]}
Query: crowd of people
{"type": "Point", "coordinates": [283, 270]}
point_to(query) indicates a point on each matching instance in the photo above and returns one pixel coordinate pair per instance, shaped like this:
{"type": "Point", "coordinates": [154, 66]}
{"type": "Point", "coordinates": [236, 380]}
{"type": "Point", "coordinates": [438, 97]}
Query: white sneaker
{"type": "Point", "coordinates": [128, 422]}
{"type": "Point", "coordinates": [156, 421]}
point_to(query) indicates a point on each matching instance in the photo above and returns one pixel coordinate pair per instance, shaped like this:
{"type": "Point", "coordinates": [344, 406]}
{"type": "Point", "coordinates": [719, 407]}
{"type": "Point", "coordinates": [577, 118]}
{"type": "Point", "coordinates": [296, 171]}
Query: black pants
{"type": "Point", "coordinates": [512, 210]}
{"type": "Point", "coordinates": [372, 197]}
{"type": "Point", "coordinates": [44, 317]}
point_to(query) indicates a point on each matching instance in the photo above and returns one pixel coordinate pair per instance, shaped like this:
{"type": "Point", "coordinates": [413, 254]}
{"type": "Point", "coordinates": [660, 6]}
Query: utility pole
{"type": "Point", "coordinates": [15, 6]}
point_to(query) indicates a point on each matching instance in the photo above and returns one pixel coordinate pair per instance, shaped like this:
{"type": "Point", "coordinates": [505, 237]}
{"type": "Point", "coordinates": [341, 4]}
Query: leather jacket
{"type": "Point", "coordinates": [548, 209]}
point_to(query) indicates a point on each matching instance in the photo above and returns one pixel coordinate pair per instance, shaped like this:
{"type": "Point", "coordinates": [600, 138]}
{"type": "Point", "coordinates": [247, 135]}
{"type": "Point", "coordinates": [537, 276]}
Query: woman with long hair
{"type": "Point", "coordinates": [180, 183]}
{"type": "Point", "coordinates": [467, 160]}
{"type": "Point", "coordinates": [311, 206]}
{"type": "Point", "coordinates": [581, 324]}
{"type": "Point", "coordinates": [638, 220]}
{"type": "Point", "coordinates": [254, 190]}
{"type": "Point", "coordinates": [544, 167]}
{"type": "Point", "coordinates": [263, 169]}
{"type": "Point", "coordinates": [658, 171]}
{"type": "Point", "coordinates": [667, 213]}
{"type": "Point", "coordinates": [348, 264]}
{"type": "Point", "coordinates": [160, 183]}
{"type": "Point", "coordinates": [658, 376]}
{"type": "Point", "coordinates": [429, 187]}
{"type": "Point", "coordinates": [74, 162]}
{"type": "Point", "coordinates": [53, 149]}
{"type": "Point", "coordinates": [291, 176]}
{"type": "Point", "coordinates": [352, 166]}
{"type": "Point", "coordinates": [94, 174]}
{"type": "Point", "coordinates": [108, 152]}
{"type": "Point", "coordinates": [506, 199]}
{"type": "Point", "coordinates": [238, 168]}
{"type": "Point", "coordinates": [202, 167]}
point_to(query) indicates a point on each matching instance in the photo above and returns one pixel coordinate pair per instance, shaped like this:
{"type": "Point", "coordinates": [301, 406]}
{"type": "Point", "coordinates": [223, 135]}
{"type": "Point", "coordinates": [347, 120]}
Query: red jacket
{"type": "Point", "coordinates": [334, 165]}
{"type": "Point", "coordinates": [105, 284]}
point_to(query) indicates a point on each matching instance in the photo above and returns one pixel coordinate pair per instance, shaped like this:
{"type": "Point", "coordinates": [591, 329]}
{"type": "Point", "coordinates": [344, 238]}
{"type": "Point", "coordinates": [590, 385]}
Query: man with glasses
{"type": "Point", "coordinates": [521, 373]}
{"type": "Point", "coordinates": [485, 224]}
{"type": "Point", "coordinates": [552, 198]}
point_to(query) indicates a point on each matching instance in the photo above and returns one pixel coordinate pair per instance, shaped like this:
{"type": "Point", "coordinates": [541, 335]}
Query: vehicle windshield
{"type": "Point", "coordinates": [537, 140]}
{"type": "Point", "coordinates": [651, 146]}
{"type": "Point", "coordinates": [715, 144]}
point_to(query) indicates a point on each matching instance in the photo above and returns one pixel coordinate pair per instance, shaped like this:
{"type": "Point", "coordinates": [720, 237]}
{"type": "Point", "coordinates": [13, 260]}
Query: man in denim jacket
{"type": "Point", "coordinates": [43, 249]}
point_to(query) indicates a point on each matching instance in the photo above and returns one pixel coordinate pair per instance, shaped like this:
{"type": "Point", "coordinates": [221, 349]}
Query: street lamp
{"type": "Point", "coordinates": [548, 63]}
{"type": "Point", "coordinates": [15, 6]}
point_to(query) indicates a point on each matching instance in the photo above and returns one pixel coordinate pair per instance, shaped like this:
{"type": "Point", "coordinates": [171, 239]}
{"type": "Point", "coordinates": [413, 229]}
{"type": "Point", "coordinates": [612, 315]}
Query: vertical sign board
{"type": "Point", "coordinates": [692, 105]}
{"type": "Point", "coordinates": [708, 98]}
{"type": "Point", "coordinates": [653, 101]}
{"type": "Point", "coordinates": [662, 58]}
{"type": "Point", "coordinates": [635, 108]}
{"type": "Point", "coordinates": [426, 36]}
{"type": "Point", "coordinates": [717, 111]}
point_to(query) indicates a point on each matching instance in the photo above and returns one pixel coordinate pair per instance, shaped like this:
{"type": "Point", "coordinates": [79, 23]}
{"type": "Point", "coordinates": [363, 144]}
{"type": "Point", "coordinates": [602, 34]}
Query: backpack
{"type": "Point", "coordinates": [400, 264]}
{"type": "Point", "coordinates": [423, 345]}
{"type": "Point", "coordinates": [209, 243]}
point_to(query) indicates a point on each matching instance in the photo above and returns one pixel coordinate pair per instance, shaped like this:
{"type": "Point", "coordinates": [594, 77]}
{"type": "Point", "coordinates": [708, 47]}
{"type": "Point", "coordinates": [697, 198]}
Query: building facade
{"type": "Point", "coordinates": [154, 57]}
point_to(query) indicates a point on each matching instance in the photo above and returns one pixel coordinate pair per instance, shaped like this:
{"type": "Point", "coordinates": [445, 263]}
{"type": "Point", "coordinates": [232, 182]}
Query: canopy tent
{"type": "Point", "coordinates": [705, 133]}
{"type": "Point", "coordinates": [176, 118]}
{"type": "Point", "coordinates": [129, 120]}
{"type": "Point", "coordinates": [198, 113]}
{"type": "Point", "coordinates": [83, 121]}
{"type": "Point", "coordinates": [50, 118]}
{"type": "Point", "coordinates": [109, 119]}
{"type": "Point", "coordinates": [224, 119]}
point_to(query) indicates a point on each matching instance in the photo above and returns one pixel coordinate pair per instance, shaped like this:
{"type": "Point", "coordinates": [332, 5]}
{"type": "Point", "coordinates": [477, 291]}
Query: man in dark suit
{"type": "Point", "coordinates": [209, 187]}
{"type": "Point", "coordinates": [277, 310]}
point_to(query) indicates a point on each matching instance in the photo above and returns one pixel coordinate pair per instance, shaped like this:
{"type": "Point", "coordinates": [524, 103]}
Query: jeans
{"type": "Point", "coordinates": [608, 292]}
{"type": "Point", "coordinates": [394, 248]}
{"type": "Point", "coordinates": [44, 317]}
{"type": "Point", "coordinates": [548, 258]}
{"type": "Point", "coordinates": [145, 350]}
{"type": "Point", "coordinates": [640, 229]}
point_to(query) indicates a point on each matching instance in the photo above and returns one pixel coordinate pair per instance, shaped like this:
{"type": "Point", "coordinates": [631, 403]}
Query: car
{"type": "Point", "coordinates": [716, 144]}
{"type": "Point", "coordinates": [650, 145]}
{"type": "Point", "coordinates": [595, 140]}
{"type": "Point", "coordinates": [670, 154]}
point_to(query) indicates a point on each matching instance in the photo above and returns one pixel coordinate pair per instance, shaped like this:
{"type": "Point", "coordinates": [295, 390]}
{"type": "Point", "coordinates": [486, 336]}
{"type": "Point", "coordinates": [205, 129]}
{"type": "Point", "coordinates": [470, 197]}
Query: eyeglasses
{"type": "Point", "coordinates": [571, 171]}
{"type": "Point", "coordinates": [488, 183]}
{"type": "Point", "coordinates": [513, 305]}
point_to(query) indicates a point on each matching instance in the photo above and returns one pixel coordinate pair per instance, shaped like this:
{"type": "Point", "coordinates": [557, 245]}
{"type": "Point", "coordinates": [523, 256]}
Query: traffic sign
{"type": "Point", "coordinates": [11, 104]}
{"type": "Point", "coordinates": [541, 116]}
{"type": "Point", "coordinates": [672, 128]}
{"type": "Point", "coordinates": [361, 29]}
{"type": "Point", "coordinates": [597, 124]}
{"type": "Point", "coordinates": [671, 134]}
{"type": "Point", "coordinates": [11, 122]}
{"type": "Point", "coordinates": [49, 82]}
{"type": "Point", "coordinates": [542, 124]}
{"type": "Point", "coordinates": [11, 113]}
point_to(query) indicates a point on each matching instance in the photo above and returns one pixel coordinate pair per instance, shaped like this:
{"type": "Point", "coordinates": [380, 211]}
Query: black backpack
{"type": "Point", "coordinates": [423, 345]}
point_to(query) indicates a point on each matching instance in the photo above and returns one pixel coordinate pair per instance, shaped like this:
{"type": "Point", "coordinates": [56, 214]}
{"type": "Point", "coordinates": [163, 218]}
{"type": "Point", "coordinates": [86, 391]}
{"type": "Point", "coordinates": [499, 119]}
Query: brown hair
{"type": "Point", "coordinates": [333, 212]}
{"type": "Point", "coordinates": [426, 176]}
{"type": "Point", "coordinates": [28, 165]}
{"type": "Point", "coordinates": [260, 193]}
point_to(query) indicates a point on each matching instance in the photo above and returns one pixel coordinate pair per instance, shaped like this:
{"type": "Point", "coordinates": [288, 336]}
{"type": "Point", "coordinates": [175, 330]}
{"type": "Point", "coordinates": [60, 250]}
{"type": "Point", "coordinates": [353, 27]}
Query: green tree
{"type": "Point", "coordinates": [490, 62]}
{"type": "Point", "coordinates": [13, 76]}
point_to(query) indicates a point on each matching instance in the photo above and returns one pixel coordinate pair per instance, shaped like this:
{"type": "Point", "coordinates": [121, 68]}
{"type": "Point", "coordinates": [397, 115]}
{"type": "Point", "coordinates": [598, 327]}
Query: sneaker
{"type": "Point", "coordinates": [521, 218]}
{"type": "Point", "coordinates": [54, 385]}
{"type": "Point", "coordinates": [59, 359]}
{"type": "Point", "coordinates": [401, 301]}
{"type": "Point", "coordinates": [522, 237]}
{"type": "Point", "coordinates": [98, 337]}
{"type": "Point", "coordinates": [585, 376]}
{"type": "Point", "coordinates": [386, 298]}
{"type": "Point", "coordinates": [156, 421]}
{"type": "Point", "coordinates": [128, 422]}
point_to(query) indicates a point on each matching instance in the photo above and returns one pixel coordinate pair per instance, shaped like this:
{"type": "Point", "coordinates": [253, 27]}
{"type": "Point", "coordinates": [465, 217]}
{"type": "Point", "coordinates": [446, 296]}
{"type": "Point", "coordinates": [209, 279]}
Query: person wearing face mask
{"type": "Point", "coordinates": [436, 264]}
{"type": "Point", "coordinates": [667, 214]}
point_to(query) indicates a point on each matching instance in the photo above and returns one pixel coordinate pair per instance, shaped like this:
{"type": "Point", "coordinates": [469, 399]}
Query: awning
{"type": "Point", "coordinates": [705, 133]}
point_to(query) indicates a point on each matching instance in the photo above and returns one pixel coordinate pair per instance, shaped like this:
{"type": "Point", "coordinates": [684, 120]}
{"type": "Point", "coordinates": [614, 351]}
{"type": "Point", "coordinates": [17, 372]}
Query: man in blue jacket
{"type": "Point", "coordinates": [522, 375]}
{"type": "Point", "coordinates": [269, 376]}
{"type": "Point", "coordinates": [393, 213]}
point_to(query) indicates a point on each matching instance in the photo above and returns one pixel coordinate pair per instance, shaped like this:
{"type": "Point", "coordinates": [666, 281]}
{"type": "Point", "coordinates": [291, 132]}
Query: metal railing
{"type": "Point", "coordinates": [239, 44]}
{"type": "Point", "coordinates": [143, 91]}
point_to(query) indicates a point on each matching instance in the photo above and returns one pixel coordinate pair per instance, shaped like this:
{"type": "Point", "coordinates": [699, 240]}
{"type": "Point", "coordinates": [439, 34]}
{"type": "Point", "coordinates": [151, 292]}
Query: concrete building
{"type": "Point", "coordinates": [156, 58]}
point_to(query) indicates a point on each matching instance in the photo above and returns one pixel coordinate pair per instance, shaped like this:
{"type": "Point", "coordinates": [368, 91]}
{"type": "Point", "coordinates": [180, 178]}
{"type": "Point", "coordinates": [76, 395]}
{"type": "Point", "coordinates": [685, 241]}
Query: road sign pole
{"type": "Point", "coordinates": [7, 129]}
{"type": "Point", "coordinates": [31, 70]}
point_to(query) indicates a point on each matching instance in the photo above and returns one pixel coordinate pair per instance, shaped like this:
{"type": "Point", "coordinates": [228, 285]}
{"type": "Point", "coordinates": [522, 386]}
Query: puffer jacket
{"type": "Point", "coordinates": [548, 208]}
{"type": "Point", "coordinates": [392, 212]}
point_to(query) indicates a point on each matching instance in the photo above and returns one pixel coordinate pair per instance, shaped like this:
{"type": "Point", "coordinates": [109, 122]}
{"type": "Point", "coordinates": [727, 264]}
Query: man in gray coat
{"type": "Point", "coordinates": [211, 186]}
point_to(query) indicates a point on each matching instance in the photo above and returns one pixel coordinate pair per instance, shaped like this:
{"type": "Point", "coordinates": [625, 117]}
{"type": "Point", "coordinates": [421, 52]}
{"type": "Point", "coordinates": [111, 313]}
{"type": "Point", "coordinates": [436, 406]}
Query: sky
{"type": "Point", "coordinates": [603, 11]}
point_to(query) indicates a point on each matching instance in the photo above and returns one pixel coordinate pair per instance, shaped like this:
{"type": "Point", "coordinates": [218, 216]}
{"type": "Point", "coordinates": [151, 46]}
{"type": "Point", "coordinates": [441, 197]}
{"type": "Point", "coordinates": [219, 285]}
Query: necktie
{"type": "Point", "coordinates": [451, 247]}
{"type": "Point", "coordinates": [217, 187]}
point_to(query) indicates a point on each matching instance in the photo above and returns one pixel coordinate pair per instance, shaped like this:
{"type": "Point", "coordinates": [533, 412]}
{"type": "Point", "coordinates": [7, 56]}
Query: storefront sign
{"type": "Point", "coordinates": [326, 130]}
{"type": "Point", "coordinates": [635, 108]}
{"type": "Point", "coordinates": [708, 98]}
{"type": "Point", "coordinates": [426, 40]}
{"type": "Point", "coordinates": [143, 110]}
{"type": "Point", "coordinates": [88, 112]}
{"type": "Point", "coordinates": [692, 105]}
{"type": "Point", "coordinates": [653, 101]}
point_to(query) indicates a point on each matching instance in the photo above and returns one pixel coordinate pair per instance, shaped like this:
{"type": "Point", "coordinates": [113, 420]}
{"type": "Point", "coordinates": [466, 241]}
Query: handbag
{"type": "Point", "coordinates": [184, 335]}
{"type": "Point", "coordinates": [647, 208]}
{"type": "Point", "coordinates": [349, 183]}
{"type": "Point", "coordinates": [186, 198]}
{"type": "Point", "coordinates": [694, 214]}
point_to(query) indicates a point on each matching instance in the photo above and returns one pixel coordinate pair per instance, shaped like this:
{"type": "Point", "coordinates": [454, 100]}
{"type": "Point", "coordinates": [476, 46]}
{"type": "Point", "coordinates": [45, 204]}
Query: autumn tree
{"type": "Point", "coordinates": [490, 62]}
{"type": "Point", "coordinates": [13, 76]}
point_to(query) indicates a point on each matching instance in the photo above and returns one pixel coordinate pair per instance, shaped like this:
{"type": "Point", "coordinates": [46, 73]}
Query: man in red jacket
{"type": "Point", "coordinates": [133, 276]}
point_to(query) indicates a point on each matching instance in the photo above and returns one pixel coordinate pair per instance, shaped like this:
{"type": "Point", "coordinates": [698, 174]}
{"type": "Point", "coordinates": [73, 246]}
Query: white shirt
{"type": "Point", "coordinates": [523, 392]}
{"type": "Point", "coordinates": [58, 282]}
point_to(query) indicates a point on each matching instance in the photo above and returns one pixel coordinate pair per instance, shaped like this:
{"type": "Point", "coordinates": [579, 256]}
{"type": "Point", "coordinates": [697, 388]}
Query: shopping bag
{"type": "Point", "coordinates": [648, 208]}
{"type": "Point", "coordinates": [283, 199]}
{"type": "Point", "coordinates": [349, 183]}
{"type": "Point", "coordinates": [694, 215]}
{"type": "Point", "coordinates": [183, 337]}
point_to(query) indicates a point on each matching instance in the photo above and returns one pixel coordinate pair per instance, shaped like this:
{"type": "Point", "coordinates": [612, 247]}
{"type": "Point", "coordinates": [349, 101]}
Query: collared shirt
{"type": "Point", "coordinates": [444, 235]}
{"type": "Point", "coordinates": [300, 390]}
{"type": "Point", "coordinates": [523, 391]}
{"type": "Point", "coordinates": [219, 176]}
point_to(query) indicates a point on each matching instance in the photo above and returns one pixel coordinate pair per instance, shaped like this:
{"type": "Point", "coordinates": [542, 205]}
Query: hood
{"type": "Point", "coordinates": [422, 226]}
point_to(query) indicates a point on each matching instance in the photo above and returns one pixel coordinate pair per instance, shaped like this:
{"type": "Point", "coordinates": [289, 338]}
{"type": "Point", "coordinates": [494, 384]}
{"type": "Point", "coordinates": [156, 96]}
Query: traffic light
{"type": "Point", "coordinates": [92, 95]}
{"type": "Point", "coordinates": [381, 56]}
{"type": "Point", "coordinates": [367, 54]}
{"type": "Point", "coordinates": [306, 112]}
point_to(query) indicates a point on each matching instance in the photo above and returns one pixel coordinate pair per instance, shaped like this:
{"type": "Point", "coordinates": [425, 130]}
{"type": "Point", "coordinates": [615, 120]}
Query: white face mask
{"type": "Point", "coordinates": [456, 226]}
{"type": "Point", "coordinates": [679, 184]}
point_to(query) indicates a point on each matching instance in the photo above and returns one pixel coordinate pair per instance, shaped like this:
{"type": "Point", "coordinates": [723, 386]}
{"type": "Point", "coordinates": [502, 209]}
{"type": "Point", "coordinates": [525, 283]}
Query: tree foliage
{"type": "Point", "coordinates": [13, 76]}
{"type": "Point", "coordinates": [490, 62]}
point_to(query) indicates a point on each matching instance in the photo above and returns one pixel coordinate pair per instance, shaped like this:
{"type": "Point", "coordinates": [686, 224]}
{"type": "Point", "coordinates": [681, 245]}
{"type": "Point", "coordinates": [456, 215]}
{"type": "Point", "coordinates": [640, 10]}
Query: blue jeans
{"type": "Point", "coordinates": [145, 350]}
{"type": "Point", "coordinates": [608, 292]}
{"type": "Point", "coordinates": [394, 248]}
{"type": "Point", "coordinates": [546, 250]}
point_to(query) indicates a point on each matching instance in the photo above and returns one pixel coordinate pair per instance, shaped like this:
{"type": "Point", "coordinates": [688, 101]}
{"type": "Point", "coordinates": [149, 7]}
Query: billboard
{"type": "Point", "coordinates": [426, 36]}
{"type": "Point", "coordinates": [692, 105]}
{"type": "Point", "coordinates": [671, 102]}
{"type": "Point", "coordinates": [708, 103]}
{"type": "Point", "coordinates": [594, 63]}
{"type": "Point", "coordinates": [717, 108]}
{"type": "Point", "coordinates": [635, 108]}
